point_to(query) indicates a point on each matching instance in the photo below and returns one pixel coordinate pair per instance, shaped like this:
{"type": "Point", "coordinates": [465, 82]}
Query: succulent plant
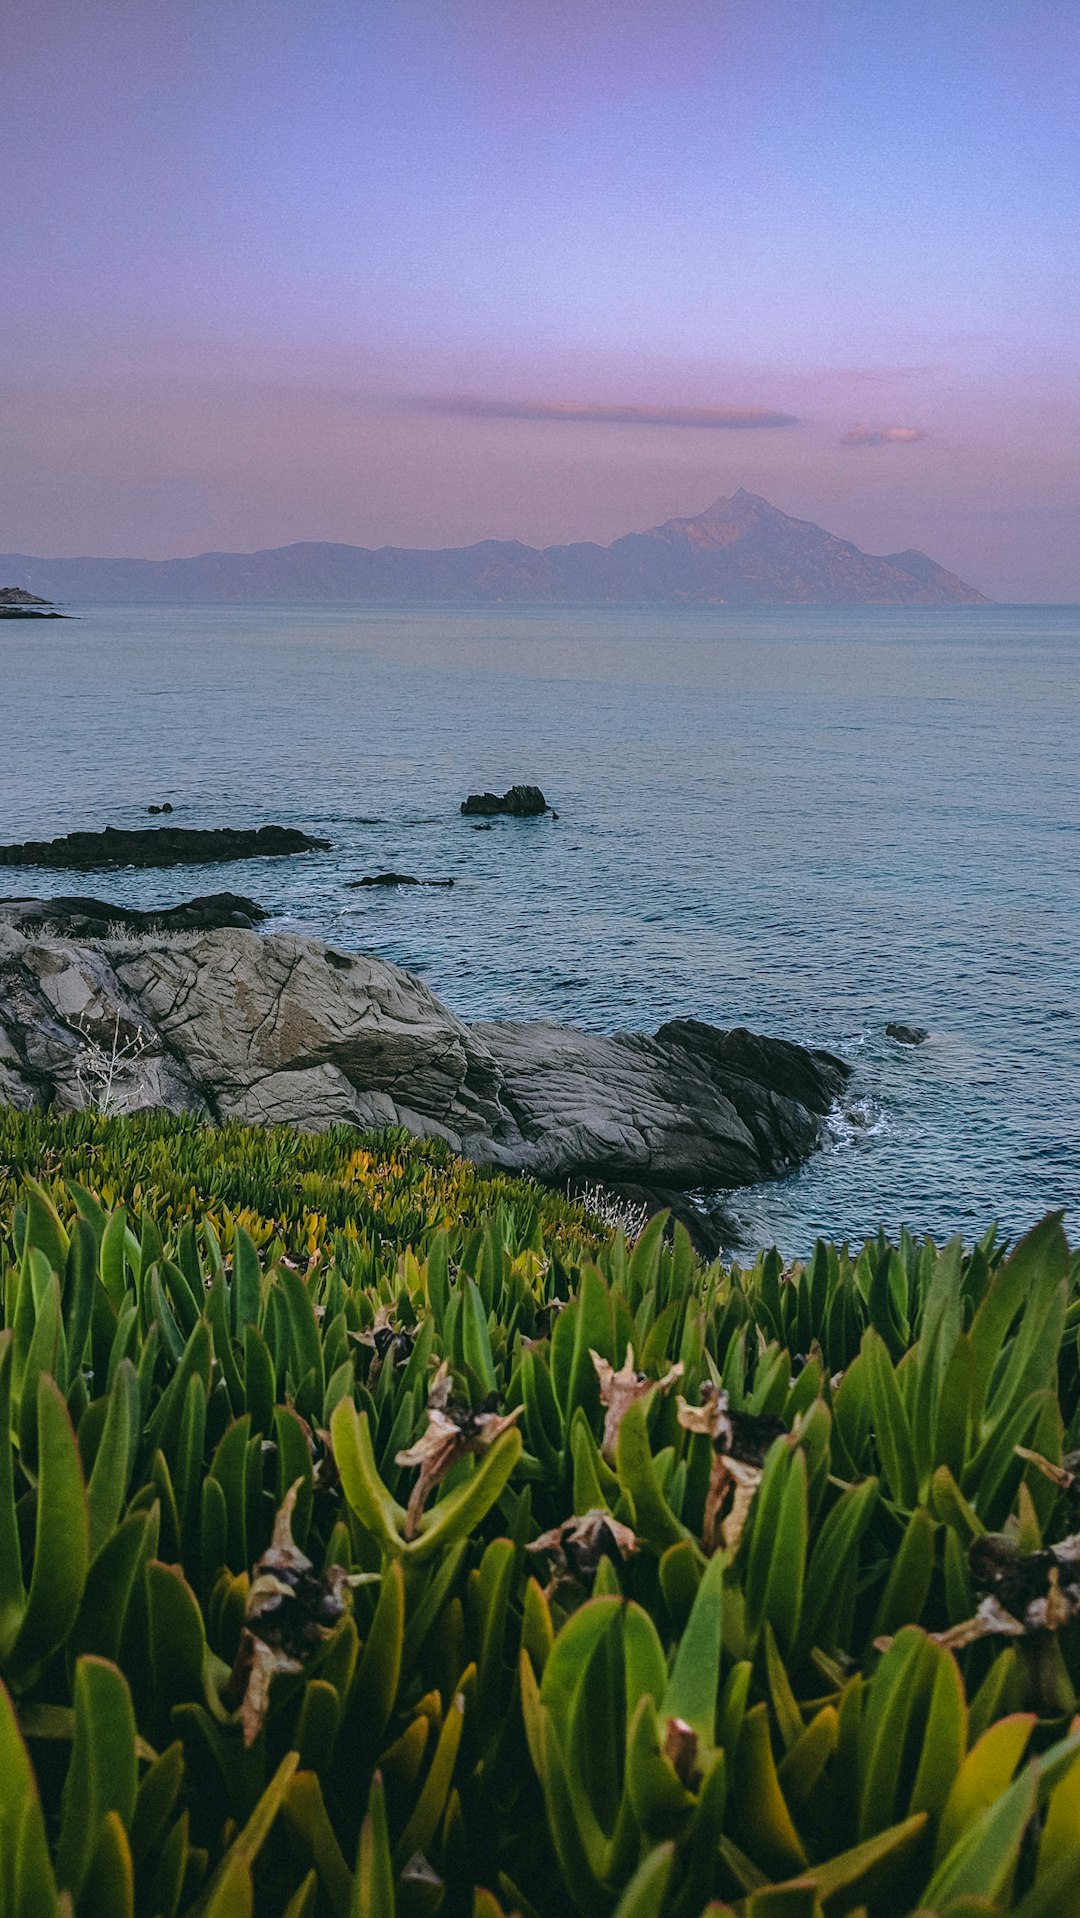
{"type": "Point", "coordinates": [359, 1560]}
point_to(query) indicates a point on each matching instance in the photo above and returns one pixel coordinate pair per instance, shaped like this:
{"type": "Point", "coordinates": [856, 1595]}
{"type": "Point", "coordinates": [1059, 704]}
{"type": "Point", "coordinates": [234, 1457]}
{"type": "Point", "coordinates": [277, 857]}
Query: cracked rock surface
{"type": "Point", "coordinates": [277, 1029]}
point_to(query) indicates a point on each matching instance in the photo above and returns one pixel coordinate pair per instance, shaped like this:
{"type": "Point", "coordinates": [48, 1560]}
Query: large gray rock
{"type": "Point", "coordinates": [284, 1030]}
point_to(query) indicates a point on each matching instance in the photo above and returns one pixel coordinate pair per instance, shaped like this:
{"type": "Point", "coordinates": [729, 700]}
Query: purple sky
{"type": "Point", "coordinates": [429, 271]}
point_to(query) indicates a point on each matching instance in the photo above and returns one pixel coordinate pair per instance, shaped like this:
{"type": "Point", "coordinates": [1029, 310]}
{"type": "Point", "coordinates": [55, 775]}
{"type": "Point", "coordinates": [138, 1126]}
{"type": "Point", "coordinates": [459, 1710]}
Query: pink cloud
{"type": "Point", "coordinates": [882, 435]}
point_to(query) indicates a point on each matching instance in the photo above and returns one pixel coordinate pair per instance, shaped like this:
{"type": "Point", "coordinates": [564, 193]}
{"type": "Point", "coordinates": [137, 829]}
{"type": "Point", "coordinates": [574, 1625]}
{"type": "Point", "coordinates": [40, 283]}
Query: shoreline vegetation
{"type": "Point", "coordinates": [377, 1538]}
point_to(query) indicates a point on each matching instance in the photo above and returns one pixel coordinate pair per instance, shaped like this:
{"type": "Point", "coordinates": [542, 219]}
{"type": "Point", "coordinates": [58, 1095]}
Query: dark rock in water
{"type": "Point", "coordinates": [17, 603]}
{"type": "Point", "coordinates": [165, 808]}
{"type": "Point", "coordinates": [279, 1029]}
{"type": "Point", "coordinates": [521, 802]}
{"type": "Point", "coordinates": [394, 879]}
{"type": "Point", "coordinates": [159, 846]}
{"type": "Point", "coordinates": [781, 1091]}
{"type": "Point", "coordinates": [73, 917]}
{"type": "Point", "coordinates": [29, 612]}
{"type": "Point", "coordinates": [907, 1035]}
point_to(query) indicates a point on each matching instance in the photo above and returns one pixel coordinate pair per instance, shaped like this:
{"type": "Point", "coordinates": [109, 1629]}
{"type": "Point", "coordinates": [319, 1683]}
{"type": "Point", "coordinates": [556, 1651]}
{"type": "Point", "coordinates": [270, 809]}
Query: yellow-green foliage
{"type": "Point", "coordinates": [349, 1567]}
{"type": "Point", "coordinates": [310, 1193]}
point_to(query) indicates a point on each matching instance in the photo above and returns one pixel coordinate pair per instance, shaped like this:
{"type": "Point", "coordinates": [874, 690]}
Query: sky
{"type": "Point", "coordinates": [422, 272]}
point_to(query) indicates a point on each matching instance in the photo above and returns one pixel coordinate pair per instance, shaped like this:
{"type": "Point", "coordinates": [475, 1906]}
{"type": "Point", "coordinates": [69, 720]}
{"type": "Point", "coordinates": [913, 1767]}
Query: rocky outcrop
{"type": "Point", "coordinates": [76, 917]}
{"type": "Point", "coordinates": [907, 1035]}
{"type": "Point", "coordinates": [159, 846]}
{"type": "Point", "coordinates": [394, 879]}
{"type": "Point", "coordinates": [16, 603]}
{"type": "Point", "coordinates": [521, 802]}
{"type": "Point", "coordinates": [286, 1030]}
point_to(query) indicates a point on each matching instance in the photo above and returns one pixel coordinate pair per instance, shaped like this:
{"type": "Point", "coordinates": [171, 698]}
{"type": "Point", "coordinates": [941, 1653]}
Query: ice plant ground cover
{"type": "Point", "coordinates": [377, 1539]}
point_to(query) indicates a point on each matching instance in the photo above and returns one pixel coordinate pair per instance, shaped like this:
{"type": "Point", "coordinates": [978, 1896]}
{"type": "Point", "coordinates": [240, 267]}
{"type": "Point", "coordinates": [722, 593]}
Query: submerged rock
{"type": "Point", "coordinates": [521, 802]}
{"type": "Point", "coordinates": [285, 1030]}
{"type": "Point", "coordinates": [394, 879]}
{"type": "Point", "coordinates": [907, 1035]}
{"type": "Point", "coordinates": [159, 846]}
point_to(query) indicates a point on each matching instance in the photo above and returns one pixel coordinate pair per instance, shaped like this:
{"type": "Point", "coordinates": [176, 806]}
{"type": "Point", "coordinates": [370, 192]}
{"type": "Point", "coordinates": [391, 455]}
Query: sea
{"type": "Point", "coordinates": [808, 821]}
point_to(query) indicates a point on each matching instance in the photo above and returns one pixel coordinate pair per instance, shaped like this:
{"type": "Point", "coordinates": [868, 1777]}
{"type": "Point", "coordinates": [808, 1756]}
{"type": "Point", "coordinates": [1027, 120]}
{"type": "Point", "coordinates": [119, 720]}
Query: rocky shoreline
{"type": "Point", "coordinates": [148, 846]}
{"type": "Point", "coordinates": [276, 1029]}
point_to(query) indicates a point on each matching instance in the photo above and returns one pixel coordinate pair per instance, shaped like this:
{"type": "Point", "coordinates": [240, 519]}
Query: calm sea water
{"type": "Point", "coordinates": [809, 822]}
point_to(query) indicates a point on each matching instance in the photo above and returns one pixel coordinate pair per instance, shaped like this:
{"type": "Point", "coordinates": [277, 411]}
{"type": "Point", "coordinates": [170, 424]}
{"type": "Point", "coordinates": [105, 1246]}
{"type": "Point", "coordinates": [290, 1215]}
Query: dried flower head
{"type": "Point", "coordinates": [453, 1430]}
{"type": "Point", "coordinates": [391, 1342]}
{"type": "Point", "coordinates": [740, 1442]}
{"type": "Point", "coordinates": [289, 1612]}
{"type": "Point", "coordinates": [576, 1547]}
{"type": "Point", "coordinates": [618, 1391]}
{"type": "Point", "coordinates": [1027, 1592]}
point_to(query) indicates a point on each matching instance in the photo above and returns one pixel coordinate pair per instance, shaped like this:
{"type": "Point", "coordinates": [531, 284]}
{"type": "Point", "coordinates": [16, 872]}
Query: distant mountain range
{"type": "Point", "coordinates": [739, 552]}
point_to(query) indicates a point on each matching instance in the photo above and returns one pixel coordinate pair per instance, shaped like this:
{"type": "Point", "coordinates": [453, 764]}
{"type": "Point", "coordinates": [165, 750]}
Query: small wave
{"type": "Point", "coordinates": [851, 1122]}
{"type": "Point", "coordinates": [855, 1041]}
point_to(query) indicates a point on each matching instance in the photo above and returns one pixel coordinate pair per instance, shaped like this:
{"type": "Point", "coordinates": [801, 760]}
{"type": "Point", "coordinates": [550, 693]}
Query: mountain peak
{"type": "Point", "coordinates": [740, 503]}
{"type": "Point", "coordinates": [728, 519]}
{"type": "Point", "coordinates": [740, 551]}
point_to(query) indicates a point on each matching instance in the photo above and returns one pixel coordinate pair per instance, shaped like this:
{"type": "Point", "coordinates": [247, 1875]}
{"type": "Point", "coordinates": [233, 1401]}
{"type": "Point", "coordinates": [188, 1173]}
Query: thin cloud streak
{"type": "Point", "coordinates": [883, 375]}
{"type": "Point", "coordinates": [591, 413]}
{"type": "Point", "coordinates": [882, 436]}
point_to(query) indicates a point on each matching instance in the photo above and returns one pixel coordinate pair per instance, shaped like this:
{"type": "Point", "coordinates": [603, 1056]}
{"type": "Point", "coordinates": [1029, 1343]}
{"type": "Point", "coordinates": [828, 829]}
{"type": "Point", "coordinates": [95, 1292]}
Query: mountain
{"type": "Point", "coordinates": [739, 552]}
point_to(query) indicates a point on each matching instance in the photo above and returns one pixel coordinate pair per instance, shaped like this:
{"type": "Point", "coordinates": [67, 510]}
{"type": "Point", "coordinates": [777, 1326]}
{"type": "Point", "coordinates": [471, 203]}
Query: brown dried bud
{"type": "Point", "coordinates": [289, 1612]}
{"type": "Point", "coordinates": [453, 1430]}
{"type": "Point", "coordinates": [618, 1391]}
{"type": "Point", "coordinates": [680, 1747]}
{"type": "Point", "coordinates": [390, 1341]}
{"type": "Point", "coordinates": [576, 1547]}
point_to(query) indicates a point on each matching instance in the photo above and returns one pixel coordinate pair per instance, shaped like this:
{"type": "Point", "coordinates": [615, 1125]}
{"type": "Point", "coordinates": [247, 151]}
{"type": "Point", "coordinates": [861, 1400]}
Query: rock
{"type": "Point", "coordinates": [159, 846]}
{"type": "Point", "coordinates": [283, 1030]}
{"type": "Point", "coordinates": [17, 603]}
{"type": "Point", "coordinates": [75, 917]}
{"type": "Point", "coordinates": [394, 879]}
{"type": "Point", "coordinates": [907, 1035]}
{"type": "Point", "coordinates": [156, 809]}
{"type": "Point", "coordinates": [781, 1091]}
{"type": "Point", "coordinates": [29, 612]}
{"type": "Point", "coordinates": [521, 802]}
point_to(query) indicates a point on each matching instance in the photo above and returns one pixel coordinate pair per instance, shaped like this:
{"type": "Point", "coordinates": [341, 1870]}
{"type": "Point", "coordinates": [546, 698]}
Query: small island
{"type": "Point", "coordinates": [17, 603]}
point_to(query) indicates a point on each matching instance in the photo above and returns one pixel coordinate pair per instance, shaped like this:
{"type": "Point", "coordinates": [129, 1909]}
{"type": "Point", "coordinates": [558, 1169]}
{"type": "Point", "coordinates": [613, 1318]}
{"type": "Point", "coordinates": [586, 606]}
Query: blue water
{"type": "Point", "coordinates": [811, 822]}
